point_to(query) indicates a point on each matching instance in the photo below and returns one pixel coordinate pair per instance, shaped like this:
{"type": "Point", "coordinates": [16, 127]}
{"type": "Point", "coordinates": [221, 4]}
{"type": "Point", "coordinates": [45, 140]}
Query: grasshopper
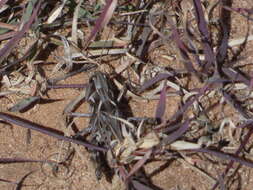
{"type": "Point", "coordinates": [101, 96]}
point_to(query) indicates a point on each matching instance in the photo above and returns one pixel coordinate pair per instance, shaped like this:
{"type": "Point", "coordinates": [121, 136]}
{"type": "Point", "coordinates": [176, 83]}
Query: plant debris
{"type": "Point", "coordinates": [187, 57]}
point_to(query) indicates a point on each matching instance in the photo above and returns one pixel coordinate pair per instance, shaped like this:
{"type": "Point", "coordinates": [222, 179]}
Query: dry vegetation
{"type": "Point", "coordinates": [187, 61]}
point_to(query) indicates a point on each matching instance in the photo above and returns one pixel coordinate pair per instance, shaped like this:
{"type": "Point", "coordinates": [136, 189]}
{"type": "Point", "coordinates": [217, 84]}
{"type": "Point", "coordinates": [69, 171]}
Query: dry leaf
{"type": "Point", "coordinates": [55, 13]}
{"type": "Point", "coordinates": [125, 149]}
{"type": "Point", "coordinates": [183, 145]}
{"type": "Point", "coordinates": [148, 141]}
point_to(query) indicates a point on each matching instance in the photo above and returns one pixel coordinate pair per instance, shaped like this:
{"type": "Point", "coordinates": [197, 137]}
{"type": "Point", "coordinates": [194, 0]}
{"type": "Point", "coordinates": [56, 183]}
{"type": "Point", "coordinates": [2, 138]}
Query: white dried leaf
{"type": "Point", "coordinates": [188, 95]}
{"type": "Point", "coordinates": [140, 129]}
{"type": "Point", "coordinates": [55, 13]}
{"type": "Point", "coordinates": [240, 86]}
{"type": "Point", "coordinates": [205, 140]}
{"type": "Point", "coordinates": [3, 8]}
{"type": "Point", "coordinates": [23, 89]}
{"type": "Point", "coordinates": [148, 141]}
{"type": "Point", "coordinates": [6, 81]}
{"type": "Point", "coordinates": [74, 22]}
{"type": "Point", "coordinates": [225, 122]}
{"type": "Point", "coordinates": [123, 66]}
{"type": "Point", "coordinates": [124, 150]}
{"type": "Point", "coordinates": [66, 59]}
{"type": "Point", "coordinates": [239, 41]}
{"type": "Point", "coordinates": [67, 54]}
{"type": "Point", "coordinates": [183, 145]}
{"type": "Point", "coordinates": [117, 183]}
{"type": "Point", "coordinates": [127, 123]}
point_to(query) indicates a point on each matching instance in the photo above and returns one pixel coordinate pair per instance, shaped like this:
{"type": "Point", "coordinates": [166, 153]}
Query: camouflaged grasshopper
{"type": "Point", "coordinates": [100, 95]}
{"type": "Point", "coordinates": [102, 99]}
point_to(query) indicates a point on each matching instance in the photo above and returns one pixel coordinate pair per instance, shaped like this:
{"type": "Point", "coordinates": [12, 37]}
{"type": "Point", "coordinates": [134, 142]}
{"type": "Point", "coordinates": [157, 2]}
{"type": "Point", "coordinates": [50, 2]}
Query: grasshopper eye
{"type": "Point", "coordinates": [98, 174]}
